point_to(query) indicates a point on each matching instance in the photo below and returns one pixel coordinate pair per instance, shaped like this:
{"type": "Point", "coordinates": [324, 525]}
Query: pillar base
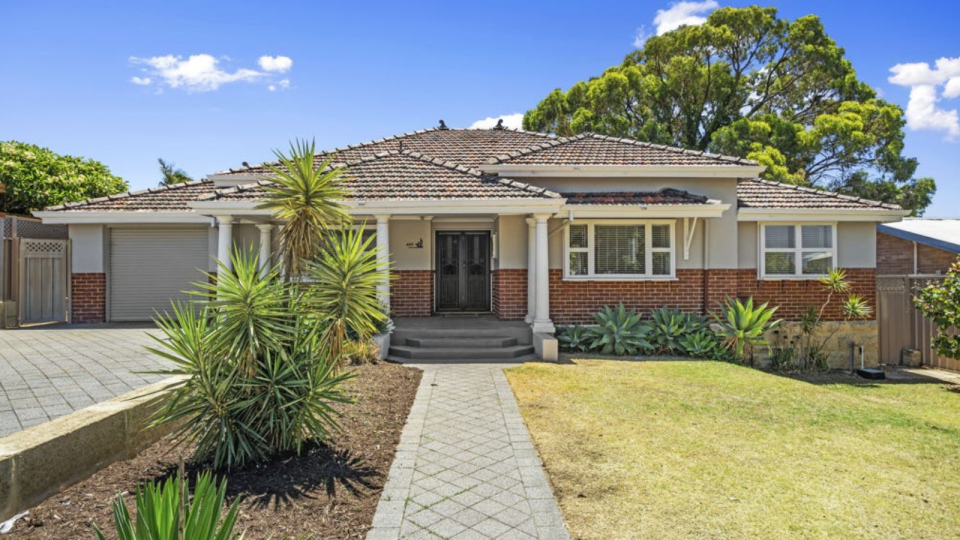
{"type": "Point", "coordinates": [543, 327]}
{"type": "Point", "coordinates": [528, 319]}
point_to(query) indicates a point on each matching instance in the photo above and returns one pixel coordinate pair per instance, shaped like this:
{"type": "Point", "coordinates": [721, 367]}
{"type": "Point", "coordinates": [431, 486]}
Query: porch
{"type": "Point", "coordinates": [471, 338]}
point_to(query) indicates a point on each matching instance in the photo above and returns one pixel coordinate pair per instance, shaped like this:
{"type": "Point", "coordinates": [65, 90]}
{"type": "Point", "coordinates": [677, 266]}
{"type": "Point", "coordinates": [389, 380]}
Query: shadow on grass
{"type": "Point", "coordinates": [318, 472]}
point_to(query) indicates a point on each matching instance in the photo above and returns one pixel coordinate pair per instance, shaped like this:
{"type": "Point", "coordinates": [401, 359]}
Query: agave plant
{"type": "Point", "coordinates": [743, 326]}
{"type": "Point", "coordinates": [167, 512]}
{"type": "Point", "coordinates": [575, 338]}
{"type": "Point", "coordinates": [308, 198]}
{"type": "Point", "coordinates": [701, 344]}
{"type": "Point", "coordinates": [669, 325]}
{"type": "Point", "coordinates": [619, 331]}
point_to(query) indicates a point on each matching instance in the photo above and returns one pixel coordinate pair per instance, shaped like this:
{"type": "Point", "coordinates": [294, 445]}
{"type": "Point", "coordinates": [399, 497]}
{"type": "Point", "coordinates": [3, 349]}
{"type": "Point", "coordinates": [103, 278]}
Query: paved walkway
{"type": "Point", "coordinates": [466, 467]}
{"type": "Point", "coordinates": [51, 371]}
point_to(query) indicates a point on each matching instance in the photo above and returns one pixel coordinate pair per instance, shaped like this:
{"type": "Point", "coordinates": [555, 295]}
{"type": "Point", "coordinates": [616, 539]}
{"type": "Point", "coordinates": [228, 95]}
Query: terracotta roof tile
{"type": "Point", "coordinates": [664, 196]}
{"type": "Point", "coordinates": [776, 195]}
{"type": "Point", "coordinates": [171, 198]}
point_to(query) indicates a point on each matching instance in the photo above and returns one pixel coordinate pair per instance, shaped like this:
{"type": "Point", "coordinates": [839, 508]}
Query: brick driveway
{"type": "Point", "coordinates": [51, 371]}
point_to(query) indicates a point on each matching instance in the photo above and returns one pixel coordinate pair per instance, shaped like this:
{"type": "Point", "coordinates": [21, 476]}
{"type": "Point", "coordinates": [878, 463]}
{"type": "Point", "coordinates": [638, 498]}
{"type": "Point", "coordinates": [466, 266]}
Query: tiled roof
{"type": "Point", "coordinates": [410, 175]}
{"type": "Point", "coordinates": [171, 198]}
{"type": "Point", "coordinates": [664, 196]}
{"type": "Point", "coordinates": [776, 195]}
{"type": "Point", "coordinates": [468, 147]}
{"type": "Point", "coordinates": [593, 149]}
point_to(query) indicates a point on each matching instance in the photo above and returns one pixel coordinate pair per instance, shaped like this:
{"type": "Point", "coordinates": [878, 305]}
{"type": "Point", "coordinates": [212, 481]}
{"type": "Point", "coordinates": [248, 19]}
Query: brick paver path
{"type": "Point", "coordinates": [466, 467]}
{"type": "Point", "coordinates": [51, 371]}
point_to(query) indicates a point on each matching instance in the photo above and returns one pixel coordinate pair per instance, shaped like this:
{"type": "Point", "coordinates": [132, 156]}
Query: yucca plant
{"type": "Point", "coordinates": [308, 198]}
{"type": "Point", "coordinates": [744, 326]}
{"type": "Point", "coordinates": [619, 331]}
{"type": "Point", "coordinates": [167, 512]}
{"type": "Point", "coordinates": [575, 338]}
{"type": "Point", "coordinates": [669, 325]}
{"type": "Point", "coordinates": [259, 378]}
{"type": "Point", "coordinates": [342, 289]}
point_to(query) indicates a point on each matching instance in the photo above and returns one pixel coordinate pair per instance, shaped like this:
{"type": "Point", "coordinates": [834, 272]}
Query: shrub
{"type": "Point", "coordinates": [670, 325]}
{"type": "Point", "coordinates": [619, 331]}
{"type": "Point", "coordinates": [259, 378]}
{"type": "Point", "coordinates": [703, 343]}
{"type": "Point", "coordinates": [575, 338]}
{"type": "Point", "coordinates": [358, 352]}
{"type": "Point", "coordinates": [743, 326]}
{"type": "Point", "coordinates": [941, 303]}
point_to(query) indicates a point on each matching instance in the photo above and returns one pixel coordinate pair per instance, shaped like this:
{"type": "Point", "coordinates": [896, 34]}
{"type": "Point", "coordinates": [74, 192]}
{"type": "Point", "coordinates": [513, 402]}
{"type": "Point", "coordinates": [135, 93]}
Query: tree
{"type": "Point", "coordinates": [35, 177]}
{"type": "Point", "coordinates": [171, 174]}
{"type": "Point", "coordinates": [308, 198]}
{"type": "Point", "coordinates": [747, 83]}
{"type": "Point", "coordinates": [940, 301]}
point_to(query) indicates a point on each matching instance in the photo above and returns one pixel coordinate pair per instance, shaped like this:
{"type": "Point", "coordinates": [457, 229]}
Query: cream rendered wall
{"type": "Point", "coordinates": [856, 244]}
{"type": "Point", "coordinates": [723, 230]}
{"type": "Point", "coordinates": [88, 247]}
{"type": "Point", "coordinates": [403, 232]}
{"type": "Point", "coordinates": [512, 242]}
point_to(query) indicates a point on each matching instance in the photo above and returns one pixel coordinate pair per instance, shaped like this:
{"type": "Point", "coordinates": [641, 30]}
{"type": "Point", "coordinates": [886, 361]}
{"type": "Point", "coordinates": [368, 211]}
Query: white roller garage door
{"type": "Point", "coordinates": [151, 267]}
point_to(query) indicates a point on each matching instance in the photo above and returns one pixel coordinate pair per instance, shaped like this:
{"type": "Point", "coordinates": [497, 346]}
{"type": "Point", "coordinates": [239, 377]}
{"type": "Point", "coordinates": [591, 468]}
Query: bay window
{"type": "Point", "coordinates": [797, 250]}
{"type": "Point", "coordinates": [619, 249]}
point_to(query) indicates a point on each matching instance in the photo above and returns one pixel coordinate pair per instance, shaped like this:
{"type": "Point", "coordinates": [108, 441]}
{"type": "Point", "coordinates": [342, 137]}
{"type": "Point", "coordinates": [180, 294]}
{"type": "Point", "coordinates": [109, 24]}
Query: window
{"type": "Point", "coordinates": [619, 249]}
{"type": "Point", "coordinates": [797, 251]}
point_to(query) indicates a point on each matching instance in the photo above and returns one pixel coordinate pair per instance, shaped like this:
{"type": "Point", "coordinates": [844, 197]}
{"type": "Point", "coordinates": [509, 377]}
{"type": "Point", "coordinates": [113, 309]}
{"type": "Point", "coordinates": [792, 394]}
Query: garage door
{"type": "Point", "coordinates": [151, 267]}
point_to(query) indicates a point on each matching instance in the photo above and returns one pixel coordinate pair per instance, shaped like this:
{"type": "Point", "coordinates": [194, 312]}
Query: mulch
{"type": "Point", "coordinates": [330, 491]}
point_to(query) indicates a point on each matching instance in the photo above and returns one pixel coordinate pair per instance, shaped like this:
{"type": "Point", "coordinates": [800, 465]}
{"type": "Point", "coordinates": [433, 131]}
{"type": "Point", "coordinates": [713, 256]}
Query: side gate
{"type": "Point", "coordinates": [902, 325]}
{"type": "Point", "coordinates": [43, 274]}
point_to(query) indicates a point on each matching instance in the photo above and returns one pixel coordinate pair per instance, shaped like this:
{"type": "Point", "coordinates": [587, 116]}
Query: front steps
{"type": "Point", "coordinates": [465, 342]}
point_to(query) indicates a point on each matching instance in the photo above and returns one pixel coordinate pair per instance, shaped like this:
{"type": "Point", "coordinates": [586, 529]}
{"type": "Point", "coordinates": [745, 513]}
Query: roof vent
{"type": "Point", "coordinates": [443, 125]}
{"type": "Point", "coordinates": [245, 165]}
{"type": "Point", "coordinates": [499, 124]}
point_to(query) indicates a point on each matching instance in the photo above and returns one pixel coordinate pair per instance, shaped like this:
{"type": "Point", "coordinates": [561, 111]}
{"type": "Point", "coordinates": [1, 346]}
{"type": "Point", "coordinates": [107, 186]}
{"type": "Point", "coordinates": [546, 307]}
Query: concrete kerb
{"type": "Point", "coordinates": [39, 461]}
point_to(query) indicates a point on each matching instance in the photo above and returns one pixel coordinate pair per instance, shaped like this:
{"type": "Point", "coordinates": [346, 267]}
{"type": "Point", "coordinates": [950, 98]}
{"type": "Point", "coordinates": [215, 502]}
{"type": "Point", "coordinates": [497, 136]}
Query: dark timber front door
{"type": "Point", "coordinates": [463, 271]}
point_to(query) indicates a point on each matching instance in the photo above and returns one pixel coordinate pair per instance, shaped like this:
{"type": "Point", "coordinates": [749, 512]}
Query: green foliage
{"type": "Point", "coordinates": [744, 326]}
{"type": "Point", "coordinates": [259, 378]}
{"type": "Point", "coordinates": [171, 174]}
{"type": "Point", "coordinates": [940, 301]}
{"type": "Point", "coordinates": [308, 198]}
{"type": "Point", "coordinates": [750, 84]}
{"type": "Point", "coordinates": [575, 338]}
{"type": "Point", "coordinates": [669, 325]}
{"type": "Point", "coordinates": [168, 512]}
{"type": "Point", "coordinates": [702, 343]}
{"type": "Point", "coordinates": [619, 331]}
{"type": "Point", "coordinates": [35, 178]}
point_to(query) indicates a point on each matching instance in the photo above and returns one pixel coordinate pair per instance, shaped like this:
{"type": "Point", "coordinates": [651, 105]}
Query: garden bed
{"type": "Point", "coordinates": [330, 492]}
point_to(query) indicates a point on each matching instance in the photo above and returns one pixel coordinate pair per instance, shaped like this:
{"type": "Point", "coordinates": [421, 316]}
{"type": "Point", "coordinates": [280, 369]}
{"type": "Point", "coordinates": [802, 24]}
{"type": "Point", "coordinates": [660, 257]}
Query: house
{"type": "Point", "coordinates": [918, 246]}
{"type": "Point", "coordinates": [526, 226]}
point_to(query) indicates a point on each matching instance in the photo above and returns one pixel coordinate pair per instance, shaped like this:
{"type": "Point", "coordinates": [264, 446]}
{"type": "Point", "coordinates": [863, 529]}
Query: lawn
{"type": "Point", "coordinates": [670, 450]}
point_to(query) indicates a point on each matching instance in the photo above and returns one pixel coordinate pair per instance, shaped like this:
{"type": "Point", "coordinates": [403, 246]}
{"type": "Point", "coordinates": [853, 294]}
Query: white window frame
{"type": "Point", "coordinates": [648, 253]}
{"type": "Point", "coordinates": [798, 250]}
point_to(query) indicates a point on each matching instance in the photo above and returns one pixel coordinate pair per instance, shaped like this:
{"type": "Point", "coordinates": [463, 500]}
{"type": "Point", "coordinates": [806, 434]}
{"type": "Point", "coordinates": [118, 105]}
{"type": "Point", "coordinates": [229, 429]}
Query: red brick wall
{"type": "Point", "coordinates": [510, 294]}
{"type": "Point", "coordinates": [577, 301]}
{"type": "Point", "coordinates": [894, 255]}
{"type": "Point", "coordinates": [931, 260]}
{"type": "Point", "coordinates": [720, 285]}
{"type": "Point", "coordinates": [794, 296]}
{"type": "Point", "coordinates": [411, 293]}
{"type": "Point", "coordinates": [88, 297]}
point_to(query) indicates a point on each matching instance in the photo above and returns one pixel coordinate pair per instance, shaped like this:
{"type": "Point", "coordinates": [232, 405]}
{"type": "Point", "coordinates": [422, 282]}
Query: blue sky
{"type": "Point", "coordinates": [360, 71]}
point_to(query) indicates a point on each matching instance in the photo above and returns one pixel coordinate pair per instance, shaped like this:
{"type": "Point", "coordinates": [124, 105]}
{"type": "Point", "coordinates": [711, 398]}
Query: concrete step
{"type": "Point", "coordinates": [518, 360]}
{"type": "Point", "coordinates": [471, 342]}
{"type": "Point", "coordinates": [406, 352]}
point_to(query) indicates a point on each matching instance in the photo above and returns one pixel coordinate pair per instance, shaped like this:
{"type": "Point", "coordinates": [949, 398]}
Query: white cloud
{"type": "Point", "coordinates": [276, 64]}
{"type": "Point", "coordinates": [925, 83]}
{"type": "Point", "coordinates": [510, 121]}
{"type": "Point", "coordinates": [683, 13]}
{"type": "Point", "coordinates": [284, 84]}
{"type": "Point", "coordinates": [142, 81]}
{"type": "Point", "coordinates": [640, 36]}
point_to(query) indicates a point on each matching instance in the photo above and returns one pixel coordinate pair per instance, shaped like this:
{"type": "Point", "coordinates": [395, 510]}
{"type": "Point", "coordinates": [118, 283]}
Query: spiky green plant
{"type": "Point", "coordinates": [167, 512]}
{"type": "Point", "coordinates": [619, 331]}
{"type": "Point", "coordinates": [258, 381]}
{"type": "Point", "coordinates": [669, 325]}
{"type": "Point", "coordinates": [342, 290]}
{"type": "Point", "coordinates": [308, 198]}
{"type": "Point", "coordinates": [575, 338]}
{"type": "Point", "coordinates": [700, 344]}
{"type": "Point", "coordinates": [744, 326]}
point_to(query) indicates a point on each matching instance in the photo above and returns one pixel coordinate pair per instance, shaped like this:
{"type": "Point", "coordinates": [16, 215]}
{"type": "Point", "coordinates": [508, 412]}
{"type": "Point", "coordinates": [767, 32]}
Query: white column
{"type": "Point", "coordinates": [531, 270]}
{"type": "Point", "coordinates": [383, 256]}
{"type": "Point", "coordinates": [541, 321]}
{"type": "Point", "coordinates": [265, 248]}
{"type": "Point", "coordinates": [225, 241]}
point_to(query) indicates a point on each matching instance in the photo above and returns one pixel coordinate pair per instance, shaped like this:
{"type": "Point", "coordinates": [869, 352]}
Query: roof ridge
{"type": "Point", "coordinates": [829, 193]}
{"type": "Point", "coordinates": [124, 195]}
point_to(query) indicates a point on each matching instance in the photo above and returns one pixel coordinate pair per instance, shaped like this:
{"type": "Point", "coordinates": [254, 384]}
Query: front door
{"type": "Point", "coordinates": [463, 271]}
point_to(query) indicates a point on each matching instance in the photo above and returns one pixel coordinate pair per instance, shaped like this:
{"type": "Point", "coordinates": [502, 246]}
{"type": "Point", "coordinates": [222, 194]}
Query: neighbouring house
{"type": "Point", "coordinates": [918, 246]}
{"type": "Point", "coordinates": [526, 226]}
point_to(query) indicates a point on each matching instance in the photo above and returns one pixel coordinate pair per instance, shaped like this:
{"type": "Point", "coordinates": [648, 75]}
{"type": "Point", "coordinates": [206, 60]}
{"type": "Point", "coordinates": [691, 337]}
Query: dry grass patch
{"type": "Point", "coordinates": [672, 450]}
